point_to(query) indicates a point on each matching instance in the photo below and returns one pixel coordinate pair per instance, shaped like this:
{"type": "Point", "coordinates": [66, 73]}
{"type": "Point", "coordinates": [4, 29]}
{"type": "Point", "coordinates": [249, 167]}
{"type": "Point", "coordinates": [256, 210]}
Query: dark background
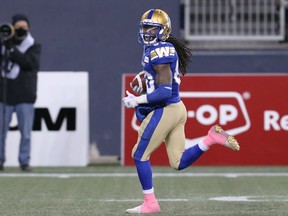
{"type": "Point", "coordinates": [100, 36]}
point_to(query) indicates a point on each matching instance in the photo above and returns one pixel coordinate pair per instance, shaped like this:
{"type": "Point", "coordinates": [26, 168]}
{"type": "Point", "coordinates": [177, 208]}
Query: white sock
{"type": "Point", "coordinates": [148, 191]}
{"type": "Point", "coordinates": [202, 146]}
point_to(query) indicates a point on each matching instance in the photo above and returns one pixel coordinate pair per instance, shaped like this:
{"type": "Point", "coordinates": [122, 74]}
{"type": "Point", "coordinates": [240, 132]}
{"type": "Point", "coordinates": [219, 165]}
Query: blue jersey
{"type": "Point", "coordinates": [161, 53]}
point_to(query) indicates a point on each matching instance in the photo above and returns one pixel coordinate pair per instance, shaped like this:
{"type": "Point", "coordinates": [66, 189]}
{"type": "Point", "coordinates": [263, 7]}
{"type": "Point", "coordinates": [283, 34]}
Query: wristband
{"type": "Point", "coordinates": [141, 99]}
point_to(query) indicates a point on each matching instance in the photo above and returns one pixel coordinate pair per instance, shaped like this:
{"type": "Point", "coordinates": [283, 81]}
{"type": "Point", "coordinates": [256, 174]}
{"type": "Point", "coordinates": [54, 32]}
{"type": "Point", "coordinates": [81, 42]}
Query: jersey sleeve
{"type": "Point", "coordinates": [163, 53]}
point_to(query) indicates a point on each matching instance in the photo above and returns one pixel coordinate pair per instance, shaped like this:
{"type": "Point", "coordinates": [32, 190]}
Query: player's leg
{"type": "Point", "coordinates": [150, 203]}
{"type": "Point", "coordinates": [149, 139]}
{"type": "Point", "coordinates": [179, 157]}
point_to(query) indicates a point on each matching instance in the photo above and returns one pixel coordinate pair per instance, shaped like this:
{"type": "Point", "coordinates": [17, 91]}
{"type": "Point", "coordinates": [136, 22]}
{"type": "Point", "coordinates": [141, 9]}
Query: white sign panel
{"type": "Point", "coordinates": [61, 128]}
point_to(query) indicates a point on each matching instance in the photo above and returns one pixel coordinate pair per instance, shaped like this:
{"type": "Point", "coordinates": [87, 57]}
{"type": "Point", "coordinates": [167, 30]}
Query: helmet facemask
{"type": "Point", "coordinates": [150, 33]}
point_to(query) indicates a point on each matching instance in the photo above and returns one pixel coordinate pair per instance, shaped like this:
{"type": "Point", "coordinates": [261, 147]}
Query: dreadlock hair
{"type": "Point", "coordinates": [183, 52]}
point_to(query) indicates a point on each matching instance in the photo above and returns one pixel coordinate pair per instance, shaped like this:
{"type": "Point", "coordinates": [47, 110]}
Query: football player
{"type": "Point", "coordinates": [160, 110]}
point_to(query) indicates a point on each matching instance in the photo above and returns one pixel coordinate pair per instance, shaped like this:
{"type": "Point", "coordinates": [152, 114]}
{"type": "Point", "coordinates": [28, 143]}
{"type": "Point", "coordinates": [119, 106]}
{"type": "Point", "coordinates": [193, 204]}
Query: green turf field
{"type": "Point", "coordinates": [109, 190]}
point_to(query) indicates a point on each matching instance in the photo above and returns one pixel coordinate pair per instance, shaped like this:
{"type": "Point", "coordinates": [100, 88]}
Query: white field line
{"type": "Point", "coordinates": [268, 198]}
{"type": "Point", "coordinates": [155, 175]}
{"type": "Point", "coordinates": [141, 200]}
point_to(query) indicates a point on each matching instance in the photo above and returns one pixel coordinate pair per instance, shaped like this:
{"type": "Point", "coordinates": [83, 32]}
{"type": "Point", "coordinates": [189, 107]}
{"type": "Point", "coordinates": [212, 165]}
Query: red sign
{"type": "Point", "coordinates": [251, 107]}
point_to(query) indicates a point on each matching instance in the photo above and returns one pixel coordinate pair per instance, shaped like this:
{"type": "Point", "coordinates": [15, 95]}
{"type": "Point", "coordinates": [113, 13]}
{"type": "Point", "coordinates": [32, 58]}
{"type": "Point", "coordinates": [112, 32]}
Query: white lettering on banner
{"type": "Point", "coordinates": [200, 114]}
{"type": "Point", "coordinates": [272, 120]}
{"type": "Point", "coordinates": [227, 113]}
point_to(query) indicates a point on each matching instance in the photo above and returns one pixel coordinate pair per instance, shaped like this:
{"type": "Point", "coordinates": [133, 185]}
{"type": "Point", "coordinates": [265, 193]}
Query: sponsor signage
{"type": "Point", "coordinates": [251, 107]}
{"type": "Point", "coordinates": [60, 135]}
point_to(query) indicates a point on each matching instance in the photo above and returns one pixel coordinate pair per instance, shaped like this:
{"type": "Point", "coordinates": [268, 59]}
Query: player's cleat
{"type": "Point", "coordinates": [145, 209]}
{"type": "Point", "coordinates": [217, 135]}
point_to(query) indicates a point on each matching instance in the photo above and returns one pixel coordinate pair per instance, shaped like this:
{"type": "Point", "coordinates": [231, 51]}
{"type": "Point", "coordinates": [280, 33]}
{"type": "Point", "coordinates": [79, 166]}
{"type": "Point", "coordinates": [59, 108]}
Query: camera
{"type": "Point", "coordinates": [6, 31]}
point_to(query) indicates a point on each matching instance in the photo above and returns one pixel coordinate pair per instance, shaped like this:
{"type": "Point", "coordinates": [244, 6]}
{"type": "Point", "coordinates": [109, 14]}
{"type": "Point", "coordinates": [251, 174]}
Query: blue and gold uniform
{"type": "Point", "coordinates": [165, 119]}
{"type": "Point", "coordinates": [161, 53]}
{"type": "Point", "coordinates": [160, 110]}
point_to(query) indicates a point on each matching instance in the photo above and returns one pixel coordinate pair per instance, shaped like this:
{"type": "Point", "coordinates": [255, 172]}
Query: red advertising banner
{"type": "Point", "coordinates": [251, 107]}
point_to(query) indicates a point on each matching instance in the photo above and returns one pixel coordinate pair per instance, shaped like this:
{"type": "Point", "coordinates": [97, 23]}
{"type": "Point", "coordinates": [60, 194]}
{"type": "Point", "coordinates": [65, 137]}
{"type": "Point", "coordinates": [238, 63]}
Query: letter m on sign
{"type": "Point", "coordinates": [65, 113]}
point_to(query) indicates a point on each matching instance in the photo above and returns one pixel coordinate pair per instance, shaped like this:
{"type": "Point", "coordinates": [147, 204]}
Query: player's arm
{"type": "Point", "coordinates": [163, 74]}
{"type": "Point", "coordinates": [164, 82]}
{"type": "Point", "coordinates": [163, 92]}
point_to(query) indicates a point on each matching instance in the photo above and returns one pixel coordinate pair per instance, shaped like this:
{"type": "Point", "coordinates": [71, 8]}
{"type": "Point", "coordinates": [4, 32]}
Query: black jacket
{"type": "Point", "coordinates": [23, 89]}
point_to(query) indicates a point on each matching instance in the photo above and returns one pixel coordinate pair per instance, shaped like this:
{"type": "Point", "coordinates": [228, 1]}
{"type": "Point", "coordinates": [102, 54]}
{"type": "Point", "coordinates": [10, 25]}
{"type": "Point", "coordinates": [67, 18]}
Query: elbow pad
{"type": "Point", "coordinates": [163, 92]}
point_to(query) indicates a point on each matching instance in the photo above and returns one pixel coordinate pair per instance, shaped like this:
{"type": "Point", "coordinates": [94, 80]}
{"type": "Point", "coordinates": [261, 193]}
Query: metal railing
{"type": "Point", "coordinates": [254, 20]}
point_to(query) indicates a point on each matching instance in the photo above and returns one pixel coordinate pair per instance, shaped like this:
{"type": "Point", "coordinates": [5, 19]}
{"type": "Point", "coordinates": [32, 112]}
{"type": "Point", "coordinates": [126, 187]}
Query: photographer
{"type": "Point", "coordinates": [20, 61]}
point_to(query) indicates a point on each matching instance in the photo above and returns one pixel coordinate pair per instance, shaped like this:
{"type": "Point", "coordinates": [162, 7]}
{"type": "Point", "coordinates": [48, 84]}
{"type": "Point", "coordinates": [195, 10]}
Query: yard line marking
{"type": "Point", "coordinates": [155, 175]}
{"type": "Point", "coordinates": [141, 200]}
{"type": "Point", "coordinates": [250, 198]}
{"type": "Point", "coordinates": [268, 198]}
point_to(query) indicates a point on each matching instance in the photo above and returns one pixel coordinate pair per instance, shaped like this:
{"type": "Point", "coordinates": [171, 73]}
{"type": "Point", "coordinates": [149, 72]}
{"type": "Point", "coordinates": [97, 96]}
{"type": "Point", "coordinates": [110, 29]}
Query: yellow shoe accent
{"type": "Point", "coordinates": [232, 143]}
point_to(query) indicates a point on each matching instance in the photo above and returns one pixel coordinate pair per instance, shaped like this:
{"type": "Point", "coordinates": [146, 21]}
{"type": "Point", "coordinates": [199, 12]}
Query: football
{"type": "Point", "coordinates": [139, 82]}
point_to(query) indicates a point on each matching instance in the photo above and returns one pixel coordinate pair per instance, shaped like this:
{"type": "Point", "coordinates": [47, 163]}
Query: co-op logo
{"type": "Point", "coordinates": [208, 108]}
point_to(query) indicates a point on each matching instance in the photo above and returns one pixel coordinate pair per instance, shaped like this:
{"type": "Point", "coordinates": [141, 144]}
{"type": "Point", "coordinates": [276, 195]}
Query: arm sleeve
{"type": "Point", "coordinates": [163, 92]}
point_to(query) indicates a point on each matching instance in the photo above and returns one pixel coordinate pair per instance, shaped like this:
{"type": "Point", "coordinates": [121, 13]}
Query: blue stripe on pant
{"type": "Point", "coordinates": [147, 134]}
{"type": "Point", "coordinates": [143, 167]}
